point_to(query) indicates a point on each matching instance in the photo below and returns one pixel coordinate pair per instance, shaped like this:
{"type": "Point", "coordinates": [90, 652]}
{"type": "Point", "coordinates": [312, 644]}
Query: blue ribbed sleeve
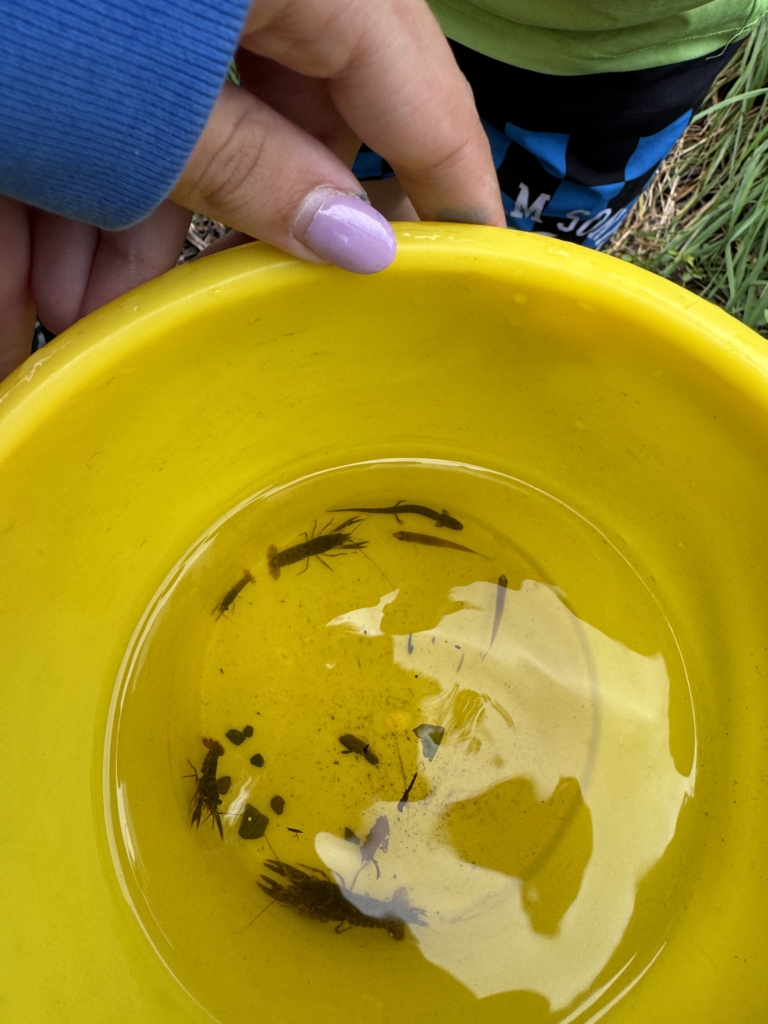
{"type": "Point", "coordinates": [102, 101]}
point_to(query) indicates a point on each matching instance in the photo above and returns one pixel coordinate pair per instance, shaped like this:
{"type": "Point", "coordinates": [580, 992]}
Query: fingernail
{"type": "Point", "coordinates": [344, 229]}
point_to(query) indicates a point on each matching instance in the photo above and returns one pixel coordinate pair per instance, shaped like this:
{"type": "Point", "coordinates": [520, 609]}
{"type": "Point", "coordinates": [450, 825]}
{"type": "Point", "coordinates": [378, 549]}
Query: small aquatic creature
{"type": "Point", "coordinates": [257, 760]}
{"type": "Point", "coordinates": [377, 839]}
{"type": "Point", "coordinates": [253, 823]}
{"type": "Point", "coordinates": [357, 746]}
{"type": "Point", "coordinates": [296, 831]}
{"type": "Point", "coordinates": [501, 597]}
{"type": "Point", "coordinates": [277, 804]}
{"type": "Point", "coordinates": [404, 798]}
{"type": "Point", "coordinates": [431, 737]}
{"type": "Point", "coordinates": [316, 547]}
{"type": "Point", "coordinates": [235, 736]}
{"type": "Point", "coordinates": [317, 897]}
{"type": "Point", "coordinates": [433, 542]}
{"type": "Point", "coordinates": [229, 598]}
{"type": "Point", "coordinates": [440, 518]}
{"type": "Point", "coordinates": [209, 789]}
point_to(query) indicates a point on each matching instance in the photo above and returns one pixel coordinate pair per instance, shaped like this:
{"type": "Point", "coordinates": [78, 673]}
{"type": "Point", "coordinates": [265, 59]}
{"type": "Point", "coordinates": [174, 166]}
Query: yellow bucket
{"type": "Point", "coordinates": [578, 381]}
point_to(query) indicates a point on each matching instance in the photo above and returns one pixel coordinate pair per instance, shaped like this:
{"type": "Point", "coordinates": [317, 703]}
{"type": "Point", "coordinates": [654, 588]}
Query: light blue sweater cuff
{"type": "Point", "coordinates": [102, 101]}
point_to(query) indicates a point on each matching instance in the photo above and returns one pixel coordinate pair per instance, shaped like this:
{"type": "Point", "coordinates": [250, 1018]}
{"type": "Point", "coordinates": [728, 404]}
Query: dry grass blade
{"type": "Point", "coordinates": [703, 222]}
{"type": "Point", "coordinates": [202, 231]}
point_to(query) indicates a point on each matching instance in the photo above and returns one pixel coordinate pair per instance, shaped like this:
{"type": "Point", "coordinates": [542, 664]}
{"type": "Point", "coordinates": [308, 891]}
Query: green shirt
{"type": "Point", "coordinates": [578, 37]}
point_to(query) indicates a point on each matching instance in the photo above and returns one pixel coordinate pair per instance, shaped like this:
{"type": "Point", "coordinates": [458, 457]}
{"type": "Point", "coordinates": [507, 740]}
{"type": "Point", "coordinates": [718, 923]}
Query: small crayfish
{"type": "Point", "coordinates": [209, 789]}
{"type": "Point", "coordinates": [316, 546]}
{"type": "Point", "coordinates": [316, 896]}
{"type": "Point", "coordinates": [229, 598]}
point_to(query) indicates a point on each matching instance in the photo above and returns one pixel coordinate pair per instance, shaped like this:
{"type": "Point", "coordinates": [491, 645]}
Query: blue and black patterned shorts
{"type": "Point", "coordinates": [574, 153]}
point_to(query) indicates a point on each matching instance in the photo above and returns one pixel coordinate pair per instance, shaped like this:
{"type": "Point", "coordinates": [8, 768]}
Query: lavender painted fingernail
{"type": "Point", "coordinates": [346, 231]}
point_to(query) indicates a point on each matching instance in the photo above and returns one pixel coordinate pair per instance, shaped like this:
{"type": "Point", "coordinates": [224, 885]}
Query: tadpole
{"type": "Point", "coordinates": [355, 745]}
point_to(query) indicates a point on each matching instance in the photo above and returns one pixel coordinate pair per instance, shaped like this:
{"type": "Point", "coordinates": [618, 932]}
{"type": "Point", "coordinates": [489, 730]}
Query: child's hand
{"type": "Point", "coordinates": [273, 161]}
{"type": "Point", "coordinates": [382, 71]}
{"type": "Point", "coordinates": [64, 269]}
{"type": "Point", "coordinates": [17, 312]}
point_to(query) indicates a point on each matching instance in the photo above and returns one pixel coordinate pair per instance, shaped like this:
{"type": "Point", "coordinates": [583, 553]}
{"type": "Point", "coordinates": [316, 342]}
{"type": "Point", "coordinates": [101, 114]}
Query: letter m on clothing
{"type": "Point", "coordinates": [525, 209]}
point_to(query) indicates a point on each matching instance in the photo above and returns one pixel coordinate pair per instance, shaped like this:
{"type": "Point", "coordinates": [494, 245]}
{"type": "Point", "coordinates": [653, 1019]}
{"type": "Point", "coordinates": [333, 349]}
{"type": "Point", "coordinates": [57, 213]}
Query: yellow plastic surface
{"type": "Point", "coordinates": [642, 406]}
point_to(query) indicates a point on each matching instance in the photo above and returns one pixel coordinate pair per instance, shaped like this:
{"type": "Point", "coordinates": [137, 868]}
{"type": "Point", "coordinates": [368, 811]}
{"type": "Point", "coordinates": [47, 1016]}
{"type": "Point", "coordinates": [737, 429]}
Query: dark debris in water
{"type": "Point", "coordinates": [277, 804]}
{"type": "Point", "coordinates": [235, 736]}
{"type": "Point", "coordinates": [257, 761]}
{"type": "Point", "coordinates": [253, 823]}
{"type": "Point", "coordinates": [404, 798]}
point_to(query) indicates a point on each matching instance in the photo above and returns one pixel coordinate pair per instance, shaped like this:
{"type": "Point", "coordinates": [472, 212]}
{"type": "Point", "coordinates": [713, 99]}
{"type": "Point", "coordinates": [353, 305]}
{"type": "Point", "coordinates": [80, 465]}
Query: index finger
{"type": "Point", "coordinates": [395, 82]}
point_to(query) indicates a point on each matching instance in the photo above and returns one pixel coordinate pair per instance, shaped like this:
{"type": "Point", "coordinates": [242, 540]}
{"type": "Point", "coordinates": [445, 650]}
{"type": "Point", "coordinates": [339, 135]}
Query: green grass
{"type": "Point", "coordinates": [703, 222]}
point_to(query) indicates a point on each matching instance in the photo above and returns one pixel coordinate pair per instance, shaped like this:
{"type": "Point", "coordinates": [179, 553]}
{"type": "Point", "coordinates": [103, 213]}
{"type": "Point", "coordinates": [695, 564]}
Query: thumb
{"type": "Point", "coordinates": [260, 173]}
